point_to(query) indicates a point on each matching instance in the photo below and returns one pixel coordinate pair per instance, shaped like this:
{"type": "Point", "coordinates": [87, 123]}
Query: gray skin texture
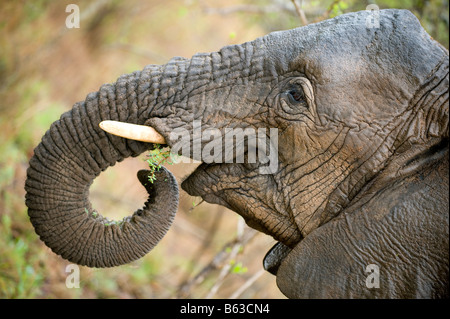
{"type": "Point", "coordinates": [362, 178]}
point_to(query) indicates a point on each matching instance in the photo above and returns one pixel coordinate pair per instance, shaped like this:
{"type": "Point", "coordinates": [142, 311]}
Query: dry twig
{"type": "Point", "coordinates": [226, 253]}
{"type": "Point", "coordinates": [247, 284]}
{"type": "Point", "coordinates": [300, 12]}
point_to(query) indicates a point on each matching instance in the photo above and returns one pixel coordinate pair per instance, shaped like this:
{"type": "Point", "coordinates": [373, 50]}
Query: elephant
{"type": "Point", "coordinates": [358, 200]}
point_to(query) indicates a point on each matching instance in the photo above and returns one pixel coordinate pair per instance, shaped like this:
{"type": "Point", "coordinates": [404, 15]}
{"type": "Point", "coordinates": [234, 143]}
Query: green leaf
{"type": "Point", "coordinates": [156, 158]}
{"type": "Point", "coordinates": [238, 268]}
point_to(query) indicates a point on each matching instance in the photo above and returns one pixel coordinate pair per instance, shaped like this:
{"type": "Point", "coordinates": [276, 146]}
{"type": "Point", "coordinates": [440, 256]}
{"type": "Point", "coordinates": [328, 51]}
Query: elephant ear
{"type": "Point", "coordinates": [390, 248]}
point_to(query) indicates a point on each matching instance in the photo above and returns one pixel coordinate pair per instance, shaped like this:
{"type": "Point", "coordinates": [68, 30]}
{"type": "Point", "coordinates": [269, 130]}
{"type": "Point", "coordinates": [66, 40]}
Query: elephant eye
{"type": "Point", "coordinates": [294, 100]}
{"type": "Point", "coordinates": [296, 95]}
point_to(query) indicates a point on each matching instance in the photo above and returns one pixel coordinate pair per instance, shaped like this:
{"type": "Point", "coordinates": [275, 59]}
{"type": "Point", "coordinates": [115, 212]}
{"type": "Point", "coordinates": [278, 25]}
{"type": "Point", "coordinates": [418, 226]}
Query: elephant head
{"type": "Point", "coordinates": [357, 108]}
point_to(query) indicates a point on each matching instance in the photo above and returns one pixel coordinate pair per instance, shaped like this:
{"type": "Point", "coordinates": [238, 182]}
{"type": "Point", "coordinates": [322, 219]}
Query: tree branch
{"type": "Point", "coordinates": [224, 254]}
{"type": "Point", "coordinates": [247, 284]}
{"type": "Point", "coordinates": [300, 12]}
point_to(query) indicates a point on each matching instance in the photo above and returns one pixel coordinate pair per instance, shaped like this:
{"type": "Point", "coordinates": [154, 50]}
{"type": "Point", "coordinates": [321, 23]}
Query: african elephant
{"type": "Point", "coordinates": [358, 202]}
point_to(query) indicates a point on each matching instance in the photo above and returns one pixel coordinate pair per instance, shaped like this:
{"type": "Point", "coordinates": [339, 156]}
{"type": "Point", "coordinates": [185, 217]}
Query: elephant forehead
{"type": "Point", "coordinates": [359, 71]}
{"type": "Point", "coordinates": [348, 46]}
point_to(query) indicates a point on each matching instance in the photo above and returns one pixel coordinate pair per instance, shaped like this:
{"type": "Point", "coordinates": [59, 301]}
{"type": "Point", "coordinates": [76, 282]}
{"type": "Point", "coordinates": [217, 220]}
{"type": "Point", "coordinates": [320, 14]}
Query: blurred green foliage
{"type": "Point", "coordinates": [20, 274]}
{"type": "Point", "coordinates": [433, 14]}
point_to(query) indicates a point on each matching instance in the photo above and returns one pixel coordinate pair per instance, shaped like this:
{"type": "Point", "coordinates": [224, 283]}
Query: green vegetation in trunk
{"type": "Point", "coordinates": [157, 158]}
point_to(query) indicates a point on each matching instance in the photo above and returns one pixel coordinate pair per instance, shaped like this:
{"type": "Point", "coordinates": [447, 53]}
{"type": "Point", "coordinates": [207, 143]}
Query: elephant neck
{"type": "Point", "coordinates": [413, 162]}
{"type": "Point", "coordinates": [422, 141]}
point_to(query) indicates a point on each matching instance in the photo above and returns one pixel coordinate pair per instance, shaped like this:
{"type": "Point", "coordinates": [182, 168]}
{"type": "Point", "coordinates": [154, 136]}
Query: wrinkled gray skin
{"type": "Point", "coordinates": [362, 115]}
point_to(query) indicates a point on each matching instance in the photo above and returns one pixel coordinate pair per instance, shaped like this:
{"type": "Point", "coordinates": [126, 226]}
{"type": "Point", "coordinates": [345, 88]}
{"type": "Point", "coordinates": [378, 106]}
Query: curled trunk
{"type": "Point", "coordinates": [72, 153]}
{"type": "Point", "coordinates": [76, 150]}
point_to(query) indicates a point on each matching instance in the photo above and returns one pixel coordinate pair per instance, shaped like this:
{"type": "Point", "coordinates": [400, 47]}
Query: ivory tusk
{"type": "Point", "coordinates": [133, 131]}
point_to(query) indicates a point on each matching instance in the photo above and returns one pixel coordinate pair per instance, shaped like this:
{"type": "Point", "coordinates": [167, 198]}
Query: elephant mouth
{"type": "Point", "coordinates": [243, 187]}
{"type": "Point", "coordinates": [275, 257]}
{"type": "Point", "coordinates": [217, 183]}
{"type": "Point", "coordinates": [221, 184]}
